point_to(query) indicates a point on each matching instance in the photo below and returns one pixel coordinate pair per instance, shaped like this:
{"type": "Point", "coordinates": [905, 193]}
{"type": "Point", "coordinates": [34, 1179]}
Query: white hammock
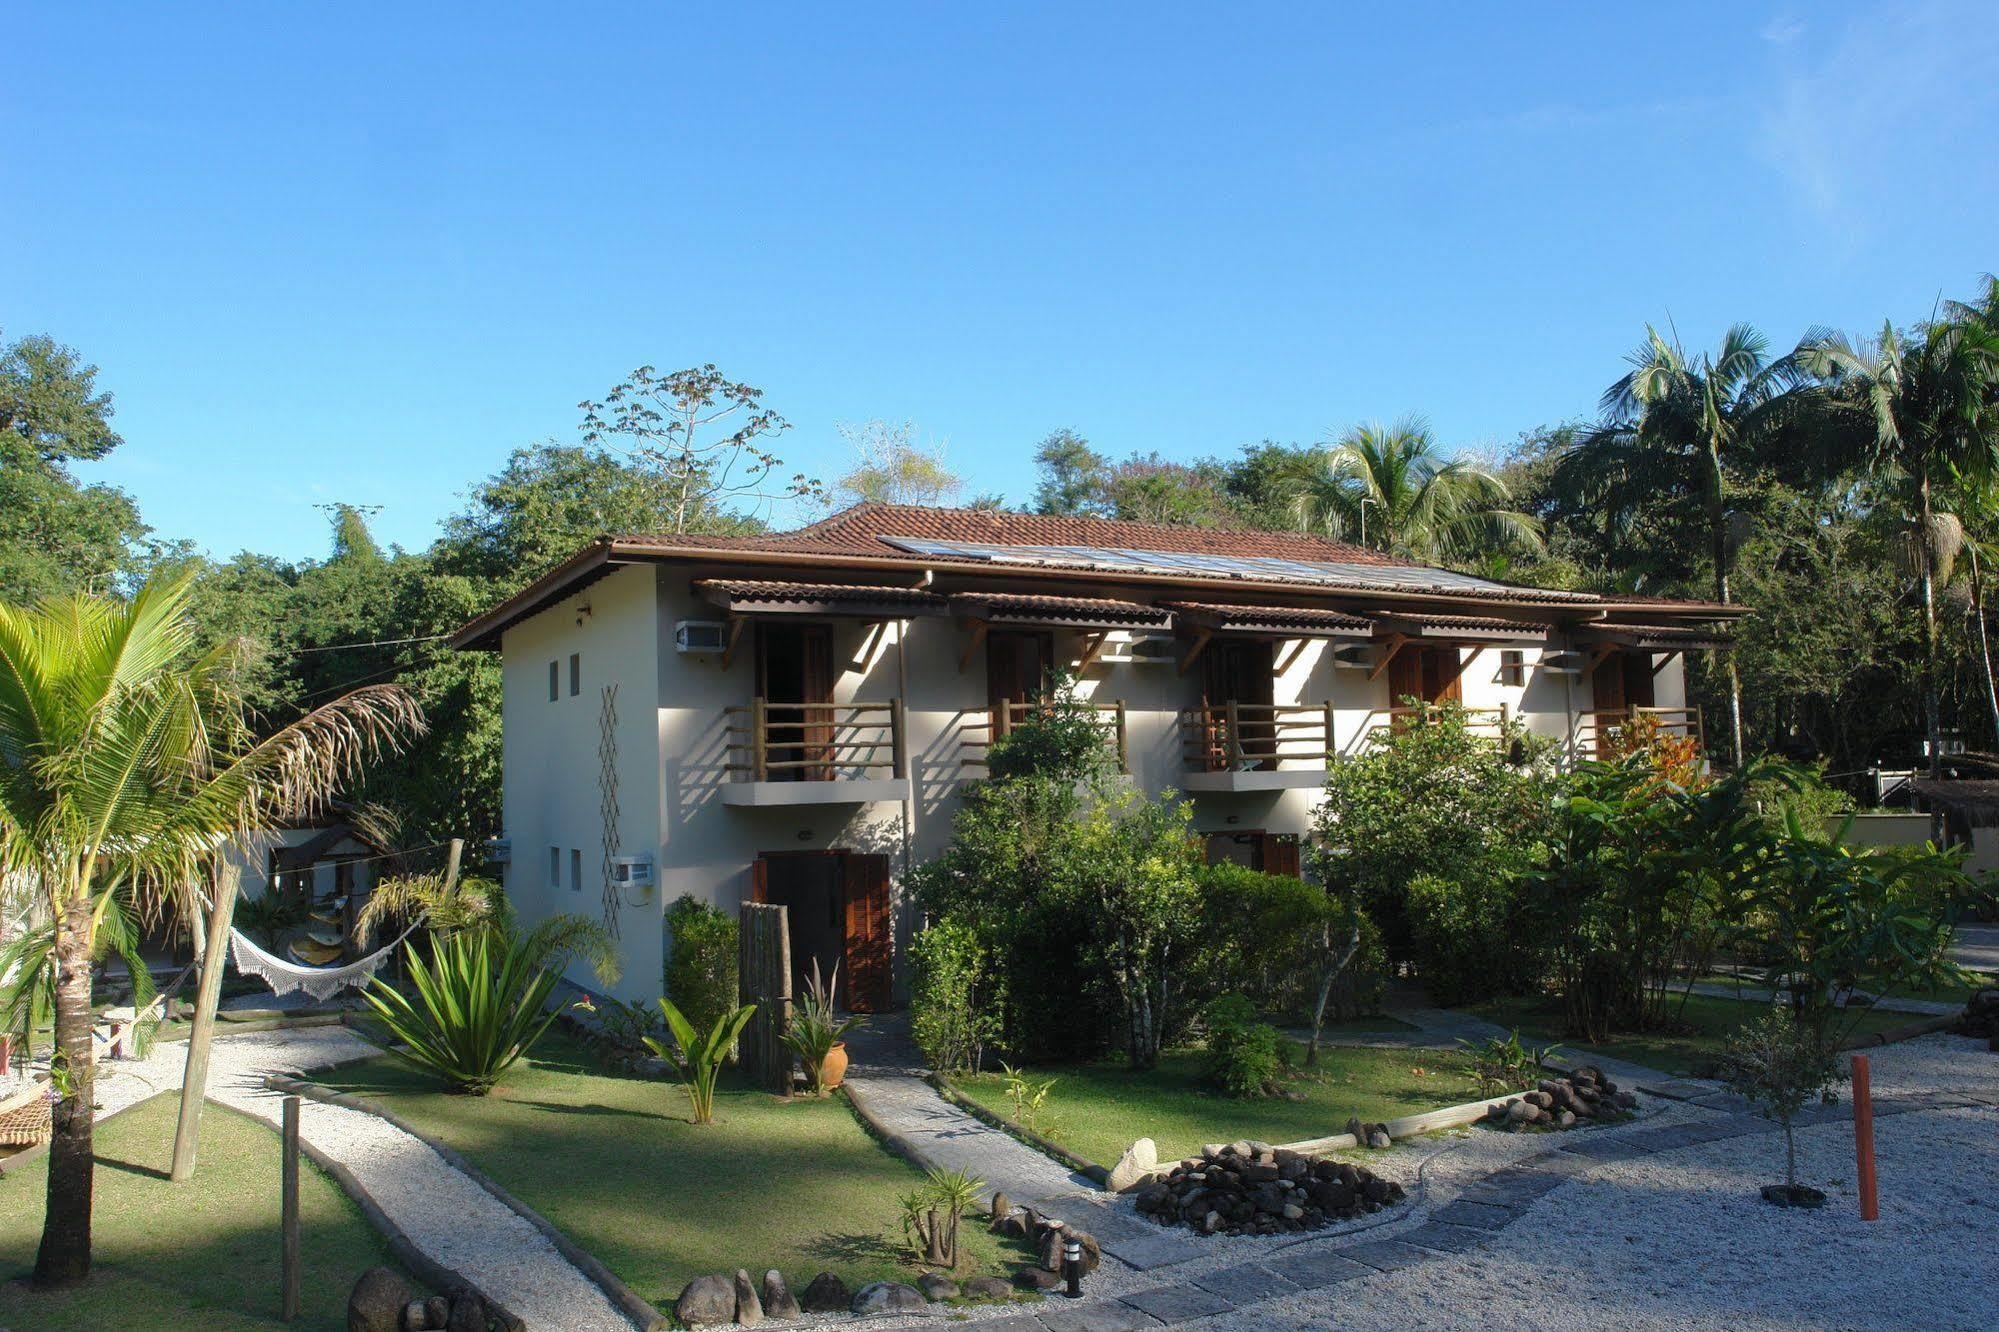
{"type": "Point", "coordinates": [284, 976]}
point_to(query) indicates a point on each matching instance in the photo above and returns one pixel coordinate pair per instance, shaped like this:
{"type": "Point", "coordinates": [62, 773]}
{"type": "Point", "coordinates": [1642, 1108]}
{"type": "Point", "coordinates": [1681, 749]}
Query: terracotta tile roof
{"type": "Point", "coordinates": [762, 591]}
{"type": "Point", "coordinates": [1687, 635]}
{"type": "Point", "coordinates": [1063, 610]}
{"type": "Point", "coordinates": [1228, 616]}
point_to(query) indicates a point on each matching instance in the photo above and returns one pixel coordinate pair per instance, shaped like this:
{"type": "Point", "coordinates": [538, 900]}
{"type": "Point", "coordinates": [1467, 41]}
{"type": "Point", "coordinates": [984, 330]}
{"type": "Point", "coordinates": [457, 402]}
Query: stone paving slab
{"type": "Point", "coordinates": [1112, 1317]}
{"type": "Point", "coordinates": [1178, 1304]}
{"type": "Point", "coordinates": [1316, 1271]}
{"type": "Point", "coordinates": [1387, 1255]}
{"type": "Point", "coordinates": [1444, 1237]}
{"type": "Point", "coordinates": [1478, 1215]}
{"type": "Point", "coordinates": [1246, 1283]}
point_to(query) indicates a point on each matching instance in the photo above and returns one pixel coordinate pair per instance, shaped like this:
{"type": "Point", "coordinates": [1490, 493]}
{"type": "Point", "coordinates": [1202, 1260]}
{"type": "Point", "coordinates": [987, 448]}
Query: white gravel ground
{"type": "Point", "coordinates": [1681, 1240]}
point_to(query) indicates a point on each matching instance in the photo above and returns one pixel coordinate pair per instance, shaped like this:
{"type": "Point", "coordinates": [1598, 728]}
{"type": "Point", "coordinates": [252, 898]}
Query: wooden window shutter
{"type": "Point", "coordinates": [865, 942]}
{"type": "Point", "coordinates": [1279, 853]}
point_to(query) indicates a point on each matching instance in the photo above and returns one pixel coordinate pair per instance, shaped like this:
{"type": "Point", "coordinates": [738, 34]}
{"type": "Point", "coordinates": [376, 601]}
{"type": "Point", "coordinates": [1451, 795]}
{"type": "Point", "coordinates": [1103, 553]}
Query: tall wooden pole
{"type": "Point", "coordinates": [290, 1209]}
{"type": "Point", "coordinates": [194, 1084]}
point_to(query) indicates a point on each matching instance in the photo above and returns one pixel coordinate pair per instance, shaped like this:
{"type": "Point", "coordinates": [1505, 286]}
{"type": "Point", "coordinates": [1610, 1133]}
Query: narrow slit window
{"type": "Point", "coordinates": [575, 674]}
{"type": "Point", "coordinates": [575, 871]}
{"type": "Point", "coordinates": [1512, 666]}
{"type": "Point", "coordinates": [555, 867]}
{"type": "Point", "coordinates": [554, 681]}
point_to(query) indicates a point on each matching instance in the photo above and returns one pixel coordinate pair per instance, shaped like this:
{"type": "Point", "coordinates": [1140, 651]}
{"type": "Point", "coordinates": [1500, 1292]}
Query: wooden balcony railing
{"type": "Point", "coordinates": [816, 742]}
{"type": "Point", "coordinates": [1243, 737]}
{"type": "Point", "coordinates": [1488, 723]}
{"type": "Point", "coordinates": [1595, 730]}
{"type": "Point", "coordinates": [980, 729]}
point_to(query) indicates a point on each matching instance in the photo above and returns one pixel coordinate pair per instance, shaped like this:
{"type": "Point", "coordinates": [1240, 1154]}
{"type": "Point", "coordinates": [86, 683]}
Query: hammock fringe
{"type": "Point", "coordinates": [320, 982]}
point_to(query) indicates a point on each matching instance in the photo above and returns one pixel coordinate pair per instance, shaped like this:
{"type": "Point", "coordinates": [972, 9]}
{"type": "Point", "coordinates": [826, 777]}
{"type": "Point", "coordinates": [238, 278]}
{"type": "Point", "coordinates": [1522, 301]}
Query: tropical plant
{"type": "Point", "coordinates": [1781, 1065]}
{"type": "Point", "coordinates": [1922, 410]}
{"type": "Point", "coordinates": [126, 760]}
{"type": "Point", "coordinates": [270, 915]}
{"type": "Point", "coordinates": [28, 966]}
{"type": "Point", "coordinates": [1388, 487]}
{"type": "Point", "coordinates": [482, 1001]}
{"type": "Point", "coordinates": [931, 1214]}
{"type": "Point", "coordinates": [955, 996]}
{"type": "Point", "coordinates": [1028, 1096]}
{"type": "Point", "coordinates": [816, 1026]}
{"type": "Point", "coordinates": [697, 1057]}
{"type": "Point", "coordinates": [1243, 1053]}
{"type": "Point", "coordinates": [1503, 1064]}
{"type": "Point", "coordinates": [701, 960]}
{"type": "Point", "coordinates": [443, 904]}
{"type": "Point", "coordinates": [619, 1030]}
{"type": "Point", "coordinates": [1681, 424]}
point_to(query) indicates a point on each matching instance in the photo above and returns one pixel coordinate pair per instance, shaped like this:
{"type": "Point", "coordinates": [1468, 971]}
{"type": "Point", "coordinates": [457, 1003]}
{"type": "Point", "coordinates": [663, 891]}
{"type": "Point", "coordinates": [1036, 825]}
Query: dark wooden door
{"type": "Point", "coordinates": [1405, 677]}
{"type": "Point", "coordinates": [794, 669]}
{"type": "Point", "coordinates": [811, 887]}
{"type": "Point", "coordinates": [1443, 680]}
{"type": "Point", "coordinates": [1242, 671]}
{"type": "Point", "coordinates": [1606, 685]}
{"type": "Point", "coordinates": [1018, 668]}
{"type": "Point", "coordinates": [1278, 853]}
{"type": "Point", "coordinates": [866, 941]}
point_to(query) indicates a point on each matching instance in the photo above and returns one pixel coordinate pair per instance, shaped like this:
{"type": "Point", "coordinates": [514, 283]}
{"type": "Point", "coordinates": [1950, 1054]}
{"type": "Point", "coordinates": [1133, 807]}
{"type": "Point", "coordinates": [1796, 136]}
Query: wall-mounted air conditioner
{"type": "Point", "coordinates": [700, 636]}
{"type": "Point", "coordinates": [1353, 657]}
{"type": "Point", "coordinates": [499, 851]}
{"type": "Point", "coordinates": [1563, 663]}
{"type": "Point", "coordinates": [634, 872]}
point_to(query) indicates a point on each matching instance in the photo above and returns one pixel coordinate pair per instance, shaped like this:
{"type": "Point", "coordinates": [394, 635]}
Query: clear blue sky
{"type": "Point", "coordinates": [359, 252]}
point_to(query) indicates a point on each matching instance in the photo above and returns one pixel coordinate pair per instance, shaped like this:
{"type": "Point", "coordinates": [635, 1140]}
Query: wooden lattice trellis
{"type": "Point", "coordinates": [607, 799]}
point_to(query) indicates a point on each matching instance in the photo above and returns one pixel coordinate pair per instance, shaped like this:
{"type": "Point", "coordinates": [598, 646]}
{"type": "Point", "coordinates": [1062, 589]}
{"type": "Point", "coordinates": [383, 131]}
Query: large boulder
{"type": "Point", "coordinates": [1135, 1168]}
{"type": "Point", "coordinates": [377, 1301]}
{"type": "Point", "coordinates": [988, 1288]}
{"type": "Point", "coordinates": [888, 1297]}
{"type": "Point", "coordinates": [707, 1301]}
{"type": "Point", "coordinates": [779, 1302]}
{"type": "Point", "coordinates": [749, 1309]}
{"type": "Point", "coordinates": [826, 1293]}
{"type": "Point", "coordinates": [937, 1286]}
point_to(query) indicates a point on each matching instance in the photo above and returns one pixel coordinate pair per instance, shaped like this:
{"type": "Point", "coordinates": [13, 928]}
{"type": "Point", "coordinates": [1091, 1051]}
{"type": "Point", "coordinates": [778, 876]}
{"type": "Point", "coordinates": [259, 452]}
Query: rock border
{"type": "Point", "coordinates": [627, 1301]}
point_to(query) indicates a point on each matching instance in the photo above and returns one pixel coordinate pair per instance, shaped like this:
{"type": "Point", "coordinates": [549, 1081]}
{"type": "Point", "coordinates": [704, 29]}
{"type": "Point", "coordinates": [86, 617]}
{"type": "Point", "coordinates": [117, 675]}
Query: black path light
{"type": "Point", "coordinates": [1072, 1266]}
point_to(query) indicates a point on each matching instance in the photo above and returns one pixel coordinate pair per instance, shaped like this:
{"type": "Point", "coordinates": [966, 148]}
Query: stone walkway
{"type": "Point", "coordinates": [443, 1212]}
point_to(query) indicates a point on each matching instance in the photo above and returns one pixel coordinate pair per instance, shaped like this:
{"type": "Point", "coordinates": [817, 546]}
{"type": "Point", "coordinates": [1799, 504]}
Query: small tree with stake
{"type": "Point", "coordinates": [1781, 1065]}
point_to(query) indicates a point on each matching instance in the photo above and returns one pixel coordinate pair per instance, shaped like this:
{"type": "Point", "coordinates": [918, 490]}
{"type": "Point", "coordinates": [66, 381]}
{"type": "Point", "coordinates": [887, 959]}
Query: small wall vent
{"type": "Point", "coordinates": [700, 636]}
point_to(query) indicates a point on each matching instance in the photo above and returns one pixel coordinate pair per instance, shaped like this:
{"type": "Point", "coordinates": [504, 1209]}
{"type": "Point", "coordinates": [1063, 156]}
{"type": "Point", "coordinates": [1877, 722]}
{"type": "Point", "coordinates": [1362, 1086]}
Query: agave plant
{"type": "Point", "coordinates": [696, 1058]}
{"type": "Point", "coordinates": [816, 1027]}
{"type": "Point", "coordinates": [481, 1003]}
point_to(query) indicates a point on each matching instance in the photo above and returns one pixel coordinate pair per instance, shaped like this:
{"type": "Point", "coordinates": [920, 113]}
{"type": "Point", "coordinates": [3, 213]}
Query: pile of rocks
{"type": "Point", "coordinates": [718, 1301]}
{"type": "Point", "coordinates": [1561, 1102]}
{"type": "Point", "coordinates": [1981, 1017]}
{"type": "Point", "coordinates": [1252, 1188]}
{"type": "Point", "coordinates": [382, 1301]}
{"type": "Point", "coordinates": [1049, 1237]}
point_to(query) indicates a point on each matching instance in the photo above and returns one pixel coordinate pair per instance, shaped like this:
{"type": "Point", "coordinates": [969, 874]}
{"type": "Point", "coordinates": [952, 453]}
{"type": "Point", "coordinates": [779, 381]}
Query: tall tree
{"type": "Point", "coordinates": [1921, 409]}
{"type": "Point", "coordinates": [125, 760]}
{"type": "Point", "coordinates": [1391, 489]}
{"type": "Point", "coordinates": [892, 466]}
{"type": "Point", "coordinates": [1072, 476]}
{"type": "Point", "coordinates": [1689, 424]}
{"type": "Point", "coordinates": [703, 433]}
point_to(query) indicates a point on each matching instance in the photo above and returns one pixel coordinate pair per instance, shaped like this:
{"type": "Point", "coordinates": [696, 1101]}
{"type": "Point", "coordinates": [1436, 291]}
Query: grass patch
{"type": "Point", "coordinates": [1098, 1109]}
{"type": "Point", "coordinates": [615, 1163]}
{"type": "Point", "coordinates": [203, 1254]}
{"type": "Point", "coordinates": [1692, 1050]}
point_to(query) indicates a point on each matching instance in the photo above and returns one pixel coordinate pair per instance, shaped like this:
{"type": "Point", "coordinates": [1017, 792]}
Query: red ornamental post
{"type": "Point", "coordinates": [1863, 1138]}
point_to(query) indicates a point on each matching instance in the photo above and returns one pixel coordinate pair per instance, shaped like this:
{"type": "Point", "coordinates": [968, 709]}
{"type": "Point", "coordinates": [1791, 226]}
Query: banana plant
{"type": "Point", "coordinates": [696, 1058]}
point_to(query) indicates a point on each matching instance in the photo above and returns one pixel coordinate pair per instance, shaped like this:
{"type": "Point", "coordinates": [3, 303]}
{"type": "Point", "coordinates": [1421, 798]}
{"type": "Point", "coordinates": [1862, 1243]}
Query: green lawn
{"type": "Point", "coordinates": [615, 1163]}
{"type": "Point", "coordinates": [1694, 1051]}
{"type": "Point", "coordinates": [199, 1255]}
{"type": "Point", "coordinates": [1099, 1109]}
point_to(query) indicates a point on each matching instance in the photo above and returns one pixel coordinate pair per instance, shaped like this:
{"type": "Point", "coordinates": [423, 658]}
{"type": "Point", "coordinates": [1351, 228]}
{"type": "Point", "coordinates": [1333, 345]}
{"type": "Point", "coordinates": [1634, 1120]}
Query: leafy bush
{"type": "Point", "coordinates": [701, 964]}
{"type": "Point", "coordinates": [1780, 1065]}
{"type": "Point", "coordinates": [1260, 934]}
{"type": "Point", "coordinates": [1467, 938]}
{"type": "Point", "coordinates": [955, 996]}
{"type": "Point", "coordinates": [1062, 738]}
{"type": "Point", "coordinates": [1503, 1064]}
{"type": "Point", "coordinates": [698, 1056]}
{"type": "Point", "coordinates": [481, 1003]}
{"type": "Point", "coordinates": [1244, 1055]}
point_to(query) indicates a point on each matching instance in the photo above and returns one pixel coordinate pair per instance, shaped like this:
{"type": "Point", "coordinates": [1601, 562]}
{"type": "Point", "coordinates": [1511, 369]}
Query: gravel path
{"type": "Point", "coordinates": [443, 1212]}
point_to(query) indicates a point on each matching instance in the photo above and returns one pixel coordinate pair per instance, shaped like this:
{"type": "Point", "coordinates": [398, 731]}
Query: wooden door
{"type": "Point", "coordinates": [1443, 680]}
{"type": "Point", "coordinates": [1405, 677]}
{"type": "Point", "coordinates": [1606, 685]}
{"type": "Point", "coordinates": [866, 943]}
{"type": "Point", "coordinates": [1278, 853]}
{"type": "Point", "coordinates": [1018, 667]}
{"type": "Point", "coordinates": [1242, 671]}
{"type": "Point", "coordinates": [794, 668]}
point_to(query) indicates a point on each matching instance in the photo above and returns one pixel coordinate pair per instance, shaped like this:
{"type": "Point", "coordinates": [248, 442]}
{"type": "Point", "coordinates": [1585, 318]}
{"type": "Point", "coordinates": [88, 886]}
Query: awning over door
{"type": "Point", "coordinates": [1654, 637]}
{"type": "Point", "coordinates": [1281, 621]}
{"type": "Point", "coordinates": [1466, 630]}
{"type": "Point", "coordinates": [747, 597]}
{"type": "Point", "coordinates": [1048, 612]}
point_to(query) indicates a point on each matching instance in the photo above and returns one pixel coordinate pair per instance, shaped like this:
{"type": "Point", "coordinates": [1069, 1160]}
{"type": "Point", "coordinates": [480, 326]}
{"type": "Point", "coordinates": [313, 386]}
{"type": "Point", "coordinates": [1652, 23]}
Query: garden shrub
{"type": "Point", "coordinates": [1466, 938]}
{"type": "Point", "coordinates": [955, 998]}
{"type": "Point", "coordinates": [701, 962]}
{"type": "Point", "coordinates": [1268, 935]}
{"type": "Point", "coordinates": [1244, 1054]}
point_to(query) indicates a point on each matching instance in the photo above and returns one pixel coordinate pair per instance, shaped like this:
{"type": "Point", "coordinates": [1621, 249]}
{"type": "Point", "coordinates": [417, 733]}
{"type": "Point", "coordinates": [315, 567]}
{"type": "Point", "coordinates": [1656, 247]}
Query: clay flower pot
{"type": "Point", "coordinates": [833, 1068]}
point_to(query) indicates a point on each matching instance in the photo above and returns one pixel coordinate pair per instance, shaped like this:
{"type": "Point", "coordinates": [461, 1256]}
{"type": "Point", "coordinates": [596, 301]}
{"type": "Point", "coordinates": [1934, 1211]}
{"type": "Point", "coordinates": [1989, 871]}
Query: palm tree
{"type": "Point", "coordinates": [1922, 409]}
{"type": "Point", "coordinates": [1683, 424]}
{"type": "Point", "coordinates": [1389, 488]}
{"type": "Point", "coordinates": [126, 762]}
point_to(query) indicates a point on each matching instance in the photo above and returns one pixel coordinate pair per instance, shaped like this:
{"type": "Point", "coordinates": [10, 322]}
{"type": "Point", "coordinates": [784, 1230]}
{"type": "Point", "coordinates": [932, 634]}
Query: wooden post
{"type": "Point", "coordinates": [290, 1209]}
{"type": "Point", "coordinates": [898, 738]}
{"type": "Point", "coordinates": [194, 1083]}
{"type": "Point", "coordinates": [1329, 731]}
{"type": "Point", "coordinates": [1235, 735]}
{"type": "Point", "coordinates": [1123, 741]}
{"type": "Point", "coordinates": [1863, 1138]}
{"type": "Point", "coordinates": [759, 741]}
{"type": "Point", "coordinates": [764, 964]}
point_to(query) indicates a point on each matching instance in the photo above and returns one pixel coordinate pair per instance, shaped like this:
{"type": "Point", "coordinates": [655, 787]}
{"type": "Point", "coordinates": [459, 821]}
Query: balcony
{"type": "Point", "coordinates": [1241, 747]}
{"type": "Point", "coordinates": [815, 753]}
{"type": "Point", "coordinates": [981, 729]}
{"type": "Point", "coordinates": [1595, 732]}
{"type": "Point", "coordinates": [1485, 723]}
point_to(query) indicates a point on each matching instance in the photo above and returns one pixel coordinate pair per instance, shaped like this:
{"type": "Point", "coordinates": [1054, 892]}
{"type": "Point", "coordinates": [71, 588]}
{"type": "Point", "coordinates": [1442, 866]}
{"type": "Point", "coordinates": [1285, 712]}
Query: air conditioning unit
{"type": "Point", "coordinates": [631, 871]}
{"type": "Point", "coordinates": [499, 851]}
{"type": "Point", "coordinates": [700, 636]}
{"type": "Point", "coordinates": [1152, 650]}
{"type": "Point", "coordinates": [1563, 663]}
{"type": "Point", "coordinates": [1353, 657]}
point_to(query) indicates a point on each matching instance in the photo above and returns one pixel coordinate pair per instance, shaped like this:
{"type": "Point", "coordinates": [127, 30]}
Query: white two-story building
{"type": "Point", "coordinates": [793, 718]}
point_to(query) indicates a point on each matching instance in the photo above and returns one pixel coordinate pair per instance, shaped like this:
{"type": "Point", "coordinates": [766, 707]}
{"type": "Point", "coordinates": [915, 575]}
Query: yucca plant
{"type": "Point", "coordinates": [696, 1058]}
{"type": "Point", "coordinates": [481, 1003]}
{"type": "Point", "coordinates": [816, 1027]}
